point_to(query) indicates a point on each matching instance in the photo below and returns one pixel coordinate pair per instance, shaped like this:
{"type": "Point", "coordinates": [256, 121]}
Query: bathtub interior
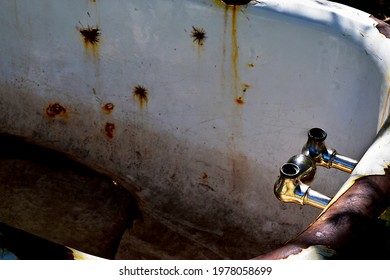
{"type": "Point", "coordinates": [193, 106]}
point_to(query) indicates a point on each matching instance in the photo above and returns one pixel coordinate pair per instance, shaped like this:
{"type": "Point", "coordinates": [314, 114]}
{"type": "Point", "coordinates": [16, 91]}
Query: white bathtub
{"type": "Point", "coordinates": [194, 105]}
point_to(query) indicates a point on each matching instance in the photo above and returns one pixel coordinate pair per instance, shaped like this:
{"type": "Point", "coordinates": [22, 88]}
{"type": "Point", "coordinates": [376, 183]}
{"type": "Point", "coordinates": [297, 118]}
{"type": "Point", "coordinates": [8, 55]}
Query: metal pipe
{"type": "Point", "coordinates": [323, 156]}
{"type": "Point", "coordinates": [290, 186]}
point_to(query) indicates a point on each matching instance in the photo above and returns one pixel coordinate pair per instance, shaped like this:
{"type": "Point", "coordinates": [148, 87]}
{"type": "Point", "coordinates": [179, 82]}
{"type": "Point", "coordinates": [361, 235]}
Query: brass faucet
{"type": "Point", "coordinates": [300, 170]}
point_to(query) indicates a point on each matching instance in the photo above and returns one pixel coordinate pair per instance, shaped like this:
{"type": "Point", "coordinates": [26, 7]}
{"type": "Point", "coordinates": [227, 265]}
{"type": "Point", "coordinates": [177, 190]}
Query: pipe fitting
{"type": "Point", "coordinates": [290, 186]}
{"type": "Point", "coordinates": [323, 156]}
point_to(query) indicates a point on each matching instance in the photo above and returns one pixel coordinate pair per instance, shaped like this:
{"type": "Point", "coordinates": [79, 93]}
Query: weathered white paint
{"type": "Point", "coordinates": [195, 158]}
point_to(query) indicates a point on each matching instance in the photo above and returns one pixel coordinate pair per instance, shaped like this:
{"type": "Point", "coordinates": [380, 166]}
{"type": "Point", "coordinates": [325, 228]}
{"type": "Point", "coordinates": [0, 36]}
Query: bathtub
{"type": "Point", "coordinates": [193, 105]}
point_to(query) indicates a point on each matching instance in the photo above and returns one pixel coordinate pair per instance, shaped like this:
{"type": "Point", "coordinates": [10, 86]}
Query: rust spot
{"type": "Point", "coordinates": [141, 93]}
{"type": "Point", "coordinates": [109, 129]}
{"type": "Point", "coordinates": [55, 109]}
{"type": "Point", "coordinates": [245, 86]}
{"type": "Point", "coordinates": [90, 34]}
{"type": "Point", "coordinates": [108, 107]}
{"type": "Point", "coordinates": [205, 176]}
{"type": "Point", "coordinates": [198, 35]}
{"type": "Point", "coordinates": [251, 65]}
{"type": "Point", "coordinates": [240, 100]}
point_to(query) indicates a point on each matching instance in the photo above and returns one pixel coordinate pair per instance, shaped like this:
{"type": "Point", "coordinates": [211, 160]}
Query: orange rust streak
{"type": "Point", "coordinates": [235, 42]}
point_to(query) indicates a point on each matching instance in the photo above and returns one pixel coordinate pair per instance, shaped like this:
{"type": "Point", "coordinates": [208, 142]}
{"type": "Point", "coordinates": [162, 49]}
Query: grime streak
{"type": "Point", "coordinates": [109, 129]}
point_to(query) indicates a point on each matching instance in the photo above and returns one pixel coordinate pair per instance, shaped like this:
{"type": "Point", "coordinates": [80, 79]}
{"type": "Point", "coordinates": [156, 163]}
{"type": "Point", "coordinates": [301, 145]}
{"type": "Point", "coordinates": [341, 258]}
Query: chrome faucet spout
{"type": "Point", "coordinates": [290, 186]}
{"type": "Point", "coordinates": [323, 156]}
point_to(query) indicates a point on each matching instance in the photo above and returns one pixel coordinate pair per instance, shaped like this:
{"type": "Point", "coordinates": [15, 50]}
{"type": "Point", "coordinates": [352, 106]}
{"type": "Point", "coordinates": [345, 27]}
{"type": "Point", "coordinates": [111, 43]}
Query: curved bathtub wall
{"type": "Point", "coordinates": [194, 105]}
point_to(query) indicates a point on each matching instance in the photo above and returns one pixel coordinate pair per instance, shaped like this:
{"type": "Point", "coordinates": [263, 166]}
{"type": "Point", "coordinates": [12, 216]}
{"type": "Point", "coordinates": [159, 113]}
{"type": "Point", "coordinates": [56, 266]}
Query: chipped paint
{"type": "Point", "coordinates": [198, 35]}
{"type": "Point", "coordinates": [91, 36]}
{"type": "Point", "coordinates": [385, 109]}
{"type": "Point", "coordinates": [108, 108]}
{"type": "Point", "coordinates": [315, 252]}
{"type": "Point", "coordinates": [140, 93]}
{"type": "Point", "coordinates": [55, 109]}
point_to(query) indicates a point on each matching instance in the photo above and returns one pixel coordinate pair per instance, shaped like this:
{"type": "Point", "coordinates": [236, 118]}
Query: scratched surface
{"type": "Point", "coordinates": [194, 105]}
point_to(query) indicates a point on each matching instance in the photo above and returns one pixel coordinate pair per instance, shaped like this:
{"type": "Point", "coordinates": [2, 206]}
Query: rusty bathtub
{"type": "Point", "coordinates": [193, 105]}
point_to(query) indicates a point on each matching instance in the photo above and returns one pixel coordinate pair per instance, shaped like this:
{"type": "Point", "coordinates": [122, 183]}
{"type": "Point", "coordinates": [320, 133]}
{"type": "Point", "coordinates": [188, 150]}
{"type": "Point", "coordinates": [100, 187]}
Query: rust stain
{"type": "Point", "coordinates": [251, 65]}
{"type": "Point", "coordinates": [240, 100]}
{"type": "Point", "coordinates": [55, 109]}
{"type": "Point", "coordinates": [235, 43]}
{"type": "Point", "coordinates": [198, 35]}
{"type": "Point", "coordinates": [141, 93]}
{"type": "Point", "coordinates": [235, 57]}
{"type": "Point", "coordinates": [219, 3]}
{"type": "Point", "coordinates": [109, 129]}
{"type": "Point", "coordinates": [204, 184]}
{"type": "Point", "coordinates": [238, 88]}
{"type": "Point", "coordinates": [108, 108]}
{"type": "Point", "coordinates": [91, 36]}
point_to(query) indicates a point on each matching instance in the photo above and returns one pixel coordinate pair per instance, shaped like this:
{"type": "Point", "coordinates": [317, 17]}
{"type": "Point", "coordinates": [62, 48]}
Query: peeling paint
{"type": "Point", "coordinates": [385, 109]}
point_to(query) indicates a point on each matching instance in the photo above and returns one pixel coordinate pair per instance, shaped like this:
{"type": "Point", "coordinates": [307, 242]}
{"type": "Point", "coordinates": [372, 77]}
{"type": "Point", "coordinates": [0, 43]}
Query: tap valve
{"type": "Point", "coordinates": [291, 185]}
{"type": "Point", "coordinates": [300, 170]}
{"type": "Point", "coordinates": [323, 156]}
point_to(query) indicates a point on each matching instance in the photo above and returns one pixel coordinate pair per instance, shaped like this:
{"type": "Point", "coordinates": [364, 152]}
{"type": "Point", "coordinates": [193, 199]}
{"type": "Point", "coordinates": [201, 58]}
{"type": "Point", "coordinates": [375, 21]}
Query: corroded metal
{"type": "Point", "coordinates": [349, 226]}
